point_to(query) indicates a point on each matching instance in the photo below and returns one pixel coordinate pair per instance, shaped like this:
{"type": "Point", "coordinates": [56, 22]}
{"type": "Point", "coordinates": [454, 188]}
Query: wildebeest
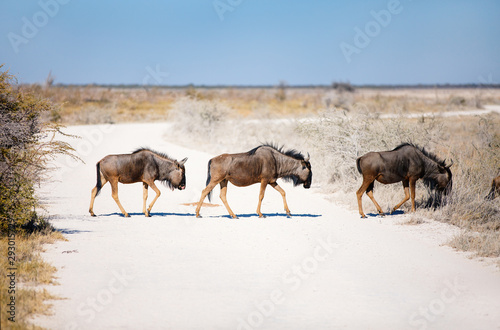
{"type": "Point", "coordinates": [264, 164]}
{"type": "Point", "coordinates": [495, 188]}
{"type": "Point", "coordinates": [406, 163]}
{"type": "Point", "coordinates": [143, 165]}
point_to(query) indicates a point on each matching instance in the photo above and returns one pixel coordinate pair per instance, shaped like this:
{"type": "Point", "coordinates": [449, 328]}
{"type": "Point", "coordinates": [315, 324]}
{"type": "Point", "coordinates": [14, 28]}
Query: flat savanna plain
{"type": "Point", "coordinates": [322, 268]}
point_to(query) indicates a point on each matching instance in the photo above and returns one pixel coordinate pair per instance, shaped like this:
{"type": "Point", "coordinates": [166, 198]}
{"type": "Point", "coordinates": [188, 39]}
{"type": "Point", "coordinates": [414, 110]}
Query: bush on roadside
{"type": "Point", "coordinates": [476, 164]}
{"type": "Point", "coordinates": [26, 145]}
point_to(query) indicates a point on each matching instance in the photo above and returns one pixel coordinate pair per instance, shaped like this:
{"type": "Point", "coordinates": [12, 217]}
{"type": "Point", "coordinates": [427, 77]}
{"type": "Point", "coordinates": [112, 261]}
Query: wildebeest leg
{"type": "Point", "coordinates": [93, 194]}
{"type": "Point", "coordinates": [282, 192]}
{"type": "Point", "coordinates": [223, 191]}
{"type": "Point", "coordinates": [204, 194]}
{"type": "Point", "coordinates": [145, 197]}
{"type": "Point", "coordinates": [369, 192]}
{"type": "Point", "coordinates": [263, 186]}
{"type": "Point", "coordinates": [158, 193]}
{"type": "Point", "coordinates": [364, 186]}
{"type": "Point", "coordinates": [412, 192]}
{"type": "Point", "coordinates": [407, 195]}
{"type": "Point", "coordinates": [114, 194]}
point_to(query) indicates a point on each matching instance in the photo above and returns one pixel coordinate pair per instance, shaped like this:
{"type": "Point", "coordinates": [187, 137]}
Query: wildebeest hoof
{"type": "Point", "coordinates": [262, 216]}
{"type": "Point", "coordinates": [147, 214]}
{"type": "Point", "coordinates": [92, 215]}
{"type": "Point", "coordinates": [363, 216]}
{"type": "Point", "coordinates": [126, 215]}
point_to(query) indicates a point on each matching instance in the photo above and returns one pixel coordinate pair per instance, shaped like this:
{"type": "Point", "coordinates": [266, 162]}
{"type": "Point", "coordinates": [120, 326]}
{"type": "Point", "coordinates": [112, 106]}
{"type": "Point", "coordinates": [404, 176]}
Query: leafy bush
{"type": "Point", "coordinates": [25, 149]}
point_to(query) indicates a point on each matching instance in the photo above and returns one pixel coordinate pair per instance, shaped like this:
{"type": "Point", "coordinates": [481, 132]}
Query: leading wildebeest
{"type": "Point", "coordinates": [143, 165]}
{"type": "Point", "coordinates": [264, 164]}
{"type": "Point", "coordinates": [495, 189]}
{"type": "Point", "coordinates": [406, 163]}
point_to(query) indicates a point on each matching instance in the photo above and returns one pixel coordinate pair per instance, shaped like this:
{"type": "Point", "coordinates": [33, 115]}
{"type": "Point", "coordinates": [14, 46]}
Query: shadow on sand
{"type": "Point", "coordinates": [67, 231]}
{"type": "Point", "coordinates": [154, 214]}
{"type": "Point", "coordinates": [268, 215]}
{"type": "Point", "coordinates": [249, 215]}
{"type": "Point", "coordinates": [374, 215]}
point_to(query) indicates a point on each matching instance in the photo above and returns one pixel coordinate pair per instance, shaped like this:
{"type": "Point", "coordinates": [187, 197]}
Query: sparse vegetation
{"type": "Point", "coordinates": [477, 160]}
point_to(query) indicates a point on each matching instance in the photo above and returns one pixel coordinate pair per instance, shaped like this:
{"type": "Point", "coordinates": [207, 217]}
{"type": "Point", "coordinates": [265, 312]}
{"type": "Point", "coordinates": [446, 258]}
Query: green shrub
{"type": "Point", "coordinates": [25, 149]}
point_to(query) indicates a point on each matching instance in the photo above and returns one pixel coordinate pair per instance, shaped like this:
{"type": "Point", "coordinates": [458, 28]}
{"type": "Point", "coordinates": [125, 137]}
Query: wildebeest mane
{"type": "Point", "coordinates": [291, 152]}
{"type": "Point", "coordinates": [160, 154]}
{"type": "Point", "coordinates": [426, 153]}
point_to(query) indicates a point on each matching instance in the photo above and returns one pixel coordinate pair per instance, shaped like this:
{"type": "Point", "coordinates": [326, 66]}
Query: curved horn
{"type": "Point", "coordinates": [450, 164]}
{"type": "Point", "coordinates": [307, 158]}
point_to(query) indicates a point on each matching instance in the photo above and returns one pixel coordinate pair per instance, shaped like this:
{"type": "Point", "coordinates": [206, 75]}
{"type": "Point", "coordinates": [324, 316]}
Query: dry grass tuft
{"type": "Point", "coordinates": [486, 244]}
{"type": "Point", "coordinates": [414, 220]}
{"type": "Point", "coordinates": [30, 271]}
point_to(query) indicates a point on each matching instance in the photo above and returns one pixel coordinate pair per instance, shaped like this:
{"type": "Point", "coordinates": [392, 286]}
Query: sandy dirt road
{"type": "Point", "coordinates": [325, 268]}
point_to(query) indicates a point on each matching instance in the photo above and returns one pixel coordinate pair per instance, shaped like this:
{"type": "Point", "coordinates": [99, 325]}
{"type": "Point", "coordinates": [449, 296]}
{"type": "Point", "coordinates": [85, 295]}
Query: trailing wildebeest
{"type": "Point", "coordinates": [495, 188]}
{"type": "Point", "coordinates": [406, 163]}
{"type": "Point", "coordinates": [143, 165]}
{"type": "Point", "coordinates": [264, 164]}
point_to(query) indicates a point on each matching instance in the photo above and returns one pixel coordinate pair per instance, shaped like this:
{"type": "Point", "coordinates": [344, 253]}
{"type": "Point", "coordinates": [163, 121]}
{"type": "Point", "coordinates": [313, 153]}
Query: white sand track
{"type": "Point", "coordinates": [325, 268]}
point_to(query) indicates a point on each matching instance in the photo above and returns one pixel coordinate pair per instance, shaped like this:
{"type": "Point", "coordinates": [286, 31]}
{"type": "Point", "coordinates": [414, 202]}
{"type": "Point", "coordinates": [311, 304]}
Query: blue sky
{"type": "Point", "coordinates": [251, 42]}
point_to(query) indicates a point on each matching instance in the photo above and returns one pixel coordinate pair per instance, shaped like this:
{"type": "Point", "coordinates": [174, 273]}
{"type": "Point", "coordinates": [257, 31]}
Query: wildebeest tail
{"type": "Point", "coordinates": [209, 178]}
{"type": "Point", "coordinates": [99, 183]}
{"type": "Point", "coordinates": [358, 165]}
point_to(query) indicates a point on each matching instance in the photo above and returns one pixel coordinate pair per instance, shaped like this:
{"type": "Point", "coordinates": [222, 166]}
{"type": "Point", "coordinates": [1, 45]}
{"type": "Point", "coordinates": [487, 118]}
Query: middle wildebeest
{"type": "Point", "coordinates": [143, 165]}
{"type": "Point", "coordinates": [406, 163]}
{"type": "Point", "coordinates": [264, 164]}
{"type": "Point", "coordinates": [495, 189]}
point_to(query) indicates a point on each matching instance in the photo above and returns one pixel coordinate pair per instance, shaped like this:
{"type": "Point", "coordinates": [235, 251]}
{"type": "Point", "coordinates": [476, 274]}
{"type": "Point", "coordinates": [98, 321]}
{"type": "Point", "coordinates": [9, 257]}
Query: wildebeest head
{"type": "Point", "coordinates": [444, 181]}
{"type": "Point", "coordinates": [440, 179]}
{"type": "Point", "coordinates": [176, 177]}
{"type": "Point", "coordinates": [304, 173]}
